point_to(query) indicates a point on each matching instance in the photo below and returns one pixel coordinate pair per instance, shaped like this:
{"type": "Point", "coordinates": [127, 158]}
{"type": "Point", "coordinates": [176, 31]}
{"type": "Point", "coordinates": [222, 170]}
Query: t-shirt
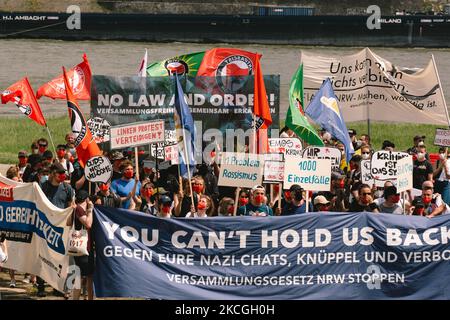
{"type": "Point", "coordinates": [289, 209]}
{"type": "Point", "coordinates": [80, 212]}
{"type": "Point", "coordinates": [445, 169]}
{"type": "Point", "coordinates": [396, 209]}
{"type": "Point", "coordinates": [420, 173]}
{"type": "Point", "coordinates": [251, 210]}
{"type": "Point", "coordinates": [123, 188]}
{"type": "Point", "coordinates": [3, 256]}
{"type": "Point", "coordinates": [60, 195]}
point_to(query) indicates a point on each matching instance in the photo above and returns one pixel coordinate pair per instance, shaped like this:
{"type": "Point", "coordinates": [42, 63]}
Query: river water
{"type": "Point", "coordinates": [41, 60]}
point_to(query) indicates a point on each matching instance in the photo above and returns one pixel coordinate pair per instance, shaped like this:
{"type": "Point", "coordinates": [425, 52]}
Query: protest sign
{"type": "Point", "coordinates": [157, 149]}
{"type": "Point", "coordinates": [243, 170]}
{"type": "Point", "coordinates": [98, 169]}
{"type": "Point", "coordinates": [171, 154]}
{"type": "Point", "coordinates": [310, 174]}
{"type": "Point", "coordinates": [366, 175]}
{"type": "Point", "coordinates": [442, 138]}
{"type": "Point", "coordinates": [334, 154]}
{"type": "Point", "coordinates": [404, 174]}
{"type": "Point", "coordinates": [36, 232]}
{"type": "Point", "coordinates": [290, 146]}
{"type": "Point", "coordinates": [137, 134]}
{"type": "Point", "coordinates": [384, 166]}
{"type": "Point", "coordinates": [329, 256]}
{"type": "Point", "coordinates": [99, 128]}
{"type": "Point", "coordinates": [273, 171]}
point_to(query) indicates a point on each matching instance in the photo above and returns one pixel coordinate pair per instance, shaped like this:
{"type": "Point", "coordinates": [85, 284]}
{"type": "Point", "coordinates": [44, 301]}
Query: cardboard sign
{"type": "Point", "coordinates": [99, 128]}
{"type": "Point", "coordinates": [366, 175]}
{"type": "Point", "coordinates": [98, 169]}
{"type": "Point", "coordinates": [243, 170]}
{"type": "Point", "coordinates": [310, 174]}
{"type": "Point", "coordinates": [334, 154]}
{"type": "Point", "coordinates": [442, 138]}
{"type": "Point", "coordinates": [171, 154]}
{"type": "Point", "coordinates": [137, 134]}
{"type": "Point", "coordinates": [158, 148]}
{"type": "Point", "coordinates": [288, 146]}
{"type": "Point", "coordinates": [273, 157]}
{"type": "Point", "coordinates": [405, 174]}
{"type": "Point", "coordinates": [384, 165]}
{"type": "Point", "coordinates": [273, 171]}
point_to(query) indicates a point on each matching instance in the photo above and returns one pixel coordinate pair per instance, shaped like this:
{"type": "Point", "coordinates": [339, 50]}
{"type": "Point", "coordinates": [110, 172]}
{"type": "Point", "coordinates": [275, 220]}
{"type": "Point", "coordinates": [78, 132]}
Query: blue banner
{"type": "Point", "coordinates": [308, 256]}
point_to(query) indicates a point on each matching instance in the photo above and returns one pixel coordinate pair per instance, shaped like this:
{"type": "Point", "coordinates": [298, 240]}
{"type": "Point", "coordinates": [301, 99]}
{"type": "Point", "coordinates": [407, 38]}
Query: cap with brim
{"type": "Point", "coordinates": [22, 153]}
{"type": "Point", "coordinates": [419, 137]}
{"type": "Point", "coordinates": [57, 167]}
{"type": "Point", "coordinates": [165, 199]}
{"type": "Point", "coordinates": [81, 195]}
{"type": "Point", "coordinates": [320, 200]}
{"type": "Point", "coordinates": [117, 156]}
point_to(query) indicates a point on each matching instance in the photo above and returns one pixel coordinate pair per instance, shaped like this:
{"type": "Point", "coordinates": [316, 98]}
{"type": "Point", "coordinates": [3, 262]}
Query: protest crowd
{"type": "Point", "coordinates": [165, 194]}
{"type": "Point", "coordinates": [172, 193]}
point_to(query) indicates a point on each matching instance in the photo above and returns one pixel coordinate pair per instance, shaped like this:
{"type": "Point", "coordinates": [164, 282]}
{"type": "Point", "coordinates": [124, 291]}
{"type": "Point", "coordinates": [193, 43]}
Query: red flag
{"type": "Point", "coordinates": [22, 95]}
{"type": "Point", "coordinates": [227, 62]}
{"type": "Point", "coordinates": [79, 79]}
{"type": "Point", "coordinates": [261, 110]}
{"type": "Point", "coordinates": [84, 142]}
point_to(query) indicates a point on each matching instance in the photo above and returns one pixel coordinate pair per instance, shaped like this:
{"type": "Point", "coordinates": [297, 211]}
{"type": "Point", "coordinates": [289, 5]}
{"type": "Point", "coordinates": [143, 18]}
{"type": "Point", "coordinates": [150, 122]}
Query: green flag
{"type": "Point", "coordinates": [295, 117]}
{"type": "Point", "coordinates": [184, 64]}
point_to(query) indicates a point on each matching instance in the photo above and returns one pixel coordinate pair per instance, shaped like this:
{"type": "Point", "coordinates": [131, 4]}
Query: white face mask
{"type": "Point", "coordinates": [365, 156]}
{"type": "Point", "coordinates": [442, 156]}
{"type": "Point", "coordinates": [420, 156]}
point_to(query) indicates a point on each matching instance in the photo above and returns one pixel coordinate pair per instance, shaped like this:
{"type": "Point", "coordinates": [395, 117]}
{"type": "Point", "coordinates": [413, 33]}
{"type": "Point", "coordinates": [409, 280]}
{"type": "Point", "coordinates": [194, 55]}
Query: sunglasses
{"type": "Point", "coordinates": [366, 194]}
{"type": "Point", "coordinates": [365, 152]}
{"type": "Point", "coordinates": [42, 145]}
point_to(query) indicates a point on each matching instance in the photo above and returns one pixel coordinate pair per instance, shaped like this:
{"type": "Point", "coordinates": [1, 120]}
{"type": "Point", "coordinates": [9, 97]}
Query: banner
{"type": "Point", "coordinates": [405, 174]}
{"type": "Point", "coordinates": [370, 87]}
{"type": "Point", "coordinates": [36, 232]}
{"type": "Point", "coordinates": [137, 134]}
{"type": "Point", "coordinates": [123, 100]}
{"type": "Point", "coordinates": [273, 171]}
{"type": "Point", "coordinates": [243, 170]}
{"type": "Point", "coordinates": [290, 146]}
{"type": "Point", "coordinates": [329, 256]}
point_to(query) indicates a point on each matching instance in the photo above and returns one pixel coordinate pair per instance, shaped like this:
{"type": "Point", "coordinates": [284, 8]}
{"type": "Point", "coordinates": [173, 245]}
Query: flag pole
{"type": "Point", "coordinates": [51, 139]}
{"type": "Point", "coordinates": [236, 200]}
{"type": "Point", "coordinates": [440, 87]}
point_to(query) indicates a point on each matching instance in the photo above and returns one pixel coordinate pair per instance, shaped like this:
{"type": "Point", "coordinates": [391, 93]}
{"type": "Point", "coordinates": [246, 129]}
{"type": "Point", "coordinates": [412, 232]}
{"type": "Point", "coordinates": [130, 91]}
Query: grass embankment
{"type": "Point", "coordinates": [19, 133]}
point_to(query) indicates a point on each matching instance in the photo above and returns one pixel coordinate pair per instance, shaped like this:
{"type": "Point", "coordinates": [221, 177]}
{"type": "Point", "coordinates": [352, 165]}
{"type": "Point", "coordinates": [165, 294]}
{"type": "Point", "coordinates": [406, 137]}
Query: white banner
{"type": "Point", "coordinates": [36, 232]}
{"type": "Point", "coordinates": [442, 138]}
{"type": "Point", "coordinates": [405, 174]}
{"type": "Point", "coordinates": [369, 86]}
{"type": "Point", "coordinates": [310, 174]}
{"type": "Point", "coordinates": [137, 134]}
{"type": "Point", "coordinates": [243, 170]}
{"type": "Point", "coordinates": [334, 154]}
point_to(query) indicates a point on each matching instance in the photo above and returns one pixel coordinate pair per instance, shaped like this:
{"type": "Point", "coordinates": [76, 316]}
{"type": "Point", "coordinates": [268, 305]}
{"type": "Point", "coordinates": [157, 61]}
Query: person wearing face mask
{"type": "Point", "coordinates": [210, 181]}
{"type": "Point", "coordinates": [244, 197]}
{"type": "Point", "coordinates": [321, 204]}
{"type": "Point", "coordinates": [297, 205]}
{"type": "Point", "coordinates": [127, 187]}
{"type": "Point", "coordinates": [205, 208]}
{"type": "Point", "coordinates": [417, 208]}
{"type": "Point", "coordinates": [149, 204]}
{"type": "Point", "coordinates": [107, 198]}
{"type": "Point", "coordinates": [364, 200]}
{"type": "Point", "coordinates": [61, 158]}
{"type": "Point", "coordinates": [366, 154]}
{"type": "Point", "coordinates": [226, 207]}
{"type": "Point", "coordinates": [422, 168]}
{"type": "Point", "coordinates": [256, 205]}
{"type": "Point", "coordinates": [61, 195]}
{"type": "Point", "coordinates": [391, 203]}
{"type": "Point", "coordinates": [165, 207]}
{"type": "Point", "coordinates": [23, 162]}
{"type": "Point", "coordinates": [434, 205]}
{"type": "Point", "coordinates": [442, 175]}
{"type": "Point", "coordinates": [42, 145]}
